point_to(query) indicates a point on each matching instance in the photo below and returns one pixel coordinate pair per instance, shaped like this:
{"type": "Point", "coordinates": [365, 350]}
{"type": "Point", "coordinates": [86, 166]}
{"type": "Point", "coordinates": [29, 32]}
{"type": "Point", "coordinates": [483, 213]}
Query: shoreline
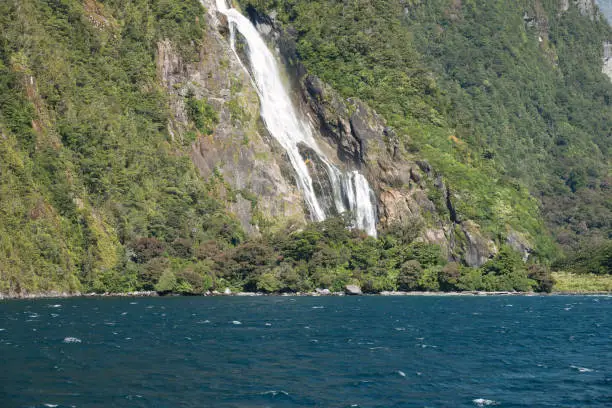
{"type": "Point", "coordinates": [66, 295]}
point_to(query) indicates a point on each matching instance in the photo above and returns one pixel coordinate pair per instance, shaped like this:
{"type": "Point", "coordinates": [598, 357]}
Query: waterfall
{"type": "Point", "coordinates": [350, 190]}
{"type": "Point", "coordinates": [606, 8]}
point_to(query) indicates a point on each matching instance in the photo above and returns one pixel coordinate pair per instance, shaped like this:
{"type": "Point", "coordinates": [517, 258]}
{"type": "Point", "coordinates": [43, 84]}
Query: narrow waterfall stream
{"type": "Point", "coordinates": [350, 190]}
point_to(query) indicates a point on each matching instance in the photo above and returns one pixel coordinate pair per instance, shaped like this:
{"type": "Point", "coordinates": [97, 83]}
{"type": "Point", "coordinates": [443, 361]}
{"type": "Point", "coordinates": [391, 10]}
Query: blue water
{"type": "Point", "coordinates": [316, 352]}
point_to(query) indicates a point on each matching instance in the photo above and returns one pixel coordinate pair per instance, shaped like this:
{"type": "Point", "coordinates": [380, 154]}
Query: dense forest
{"type": "Point", "coordinates": [97, 195]}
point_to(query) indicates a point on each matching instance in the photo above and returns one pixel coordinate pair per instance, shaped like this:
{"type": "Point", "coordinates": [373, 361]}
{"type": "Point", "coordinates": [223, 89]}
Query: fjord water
{"type": "Point", "coordinates": [350, 189]}
{"type": "Point", "coordinates": [307, 352]}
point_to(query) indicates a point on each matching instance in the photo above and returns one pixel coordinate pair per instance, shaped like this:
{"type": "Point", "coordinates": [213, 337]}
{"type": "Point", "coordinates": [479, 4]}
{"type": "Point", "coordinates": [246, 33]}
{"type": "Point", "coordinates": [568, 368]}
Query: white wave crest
{"type": "Point", "coordinates": [481, 402]}
{"type": "Point", "coordinates": [582, 369]}
{"type": "Point", "coordinates": [68, 340]}
{"type": "Point", "coordinates": [274, 393]}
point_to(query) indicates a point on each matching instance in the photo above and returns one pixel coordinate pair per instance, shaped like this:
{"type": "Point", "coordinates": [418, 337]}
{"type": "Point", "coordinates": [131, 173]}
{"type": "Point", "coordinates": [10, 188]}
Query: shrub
{"type": "Point", "coordinates": [376, 284]}
{"type": "Point", "coordinates": [203, 115]}
{"type": "Point", "coordinates": [150, 273]}
{"type": "Point", "coordinates": [181, 248]}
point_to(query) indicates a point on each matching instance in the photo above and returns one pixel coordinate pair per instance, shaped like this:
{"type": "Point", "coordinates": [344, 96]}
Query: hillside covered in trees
{"type": "Point", "coordinates": [100, 188]}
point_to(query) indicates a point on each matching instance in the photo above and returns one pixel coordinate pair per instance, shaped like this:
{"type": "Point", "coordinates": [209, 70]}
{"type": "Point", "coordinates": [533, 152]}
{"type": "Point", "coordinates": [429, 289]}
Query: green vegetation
{"type": "Point", "coordinates": [87, 169]}
{"type": "Point", "coordinates": [595, 258]}
{"type": "Point", "coordinates": [575, 283]}
{"type": "Point", "coordinates": [330, 255]}
{"type": "Point", "coordinates": [505, 99]}
{"type": "Point", "coordinates": [202, 114]}
{"type": "Point", "coordinates": [95, 195]}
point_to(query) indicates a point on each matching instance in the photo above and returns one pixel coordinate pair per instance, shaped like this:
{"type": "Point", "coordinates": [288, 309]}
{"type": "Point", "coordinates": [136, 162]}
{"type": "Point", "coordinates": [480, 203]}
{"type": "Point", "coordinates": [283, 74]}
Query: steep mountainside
{"type": "Point", "coordinates": [89, 163]}
{"type": "Point", "coordinates": [512, 92]}
{"type": "Point", "coordinates": [133, 155]}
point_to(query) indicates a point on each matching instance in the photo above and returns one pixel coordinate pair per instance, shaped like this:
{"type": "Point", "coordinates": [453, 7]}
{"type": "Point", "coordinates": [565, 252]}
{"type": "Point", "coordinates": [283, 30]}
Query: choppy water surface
{"type": "Point", "coordinates": [318, 352]}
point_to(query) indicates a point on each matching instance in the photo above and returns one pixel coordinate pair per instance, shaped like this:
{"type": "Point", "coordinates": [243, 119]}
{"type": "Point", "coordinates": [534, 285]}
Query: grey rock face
{"type": "Point", "coordinates": [320, 180]}
{"type": "Point", "coordinates": [478, 248]}
{"type": "Point", "coordinates": [586, 7]}
{"type": "Point", "coordinates": [520, 244]}
{"type": "Point", "coordinates": [353, 290]}
{"type": "Point", "coordinates": [239, 151]}
{"type": "Point", "coordinates": [333, 115]}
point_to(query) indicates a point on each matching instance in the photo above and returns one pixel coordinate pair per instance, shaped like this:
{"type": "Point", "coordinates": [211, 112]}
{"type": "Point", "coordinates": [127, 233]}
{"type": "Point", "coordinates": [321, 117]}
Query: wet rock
{"type": "Point", "coordinates": [321, 182]}
{"type": "Point", "coordinates": [223, 25]}
{"type": "Point", "coordinates": [332, 115]}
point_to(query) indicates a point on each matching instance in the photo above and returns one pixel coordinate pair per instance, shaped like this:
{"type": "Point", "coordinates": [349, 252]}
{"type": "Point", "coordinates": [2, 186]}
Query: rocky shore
{"type": "Point", "coordinates": [317, 292]}
{"type": "Point", "coordinates": [55, 294]}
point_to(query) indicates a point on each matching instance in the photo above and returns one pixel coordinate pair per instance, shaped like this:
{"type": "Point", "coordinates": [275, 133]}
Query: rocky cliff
{"type": "Point", "coordinates": [255, 177]}
{"type": "Point", "coordinates": [409, 192]}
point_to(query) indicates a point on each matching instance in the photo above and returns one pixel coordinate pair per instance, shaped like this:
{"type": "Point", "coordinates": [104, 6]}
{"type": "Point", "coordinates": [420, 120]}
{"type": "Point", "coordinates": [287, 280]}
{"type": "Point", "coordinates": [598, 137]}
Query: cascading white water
{"type": "Point", "coordinates": [283, 123]}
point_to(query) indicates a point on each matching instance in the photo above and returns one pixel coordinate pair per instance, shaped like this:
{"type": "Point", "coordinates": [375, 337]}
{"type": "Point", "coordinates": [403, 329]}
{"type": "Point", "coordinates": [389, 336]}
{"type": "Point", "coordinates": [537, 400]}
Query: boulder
{"type": "Point", "coordinates": [352, 290]}
{"type": "Point", "coordinates": [227, 291]}
{"type": "Point", "coordinates": [324, 292]}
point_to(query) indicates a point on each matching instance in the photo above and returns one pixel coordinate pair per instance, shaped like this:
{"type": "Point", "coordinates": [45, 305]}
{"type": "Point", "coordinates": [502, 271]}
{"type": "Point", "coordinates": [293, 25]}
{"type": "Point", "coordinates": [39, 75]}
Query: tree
{"type": "Point", "coordinates": [167, 282]}
{"type": "Point", "coordinates": [269, 283]}
{"type": "Point", "coordinates": [449, 276]}
{"type": "Point", "coordinates": [542, 276]}
{"type": "Point", "coordinates": [146, 249]}
{"type": "Point", "coordinates": [408, 278]}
